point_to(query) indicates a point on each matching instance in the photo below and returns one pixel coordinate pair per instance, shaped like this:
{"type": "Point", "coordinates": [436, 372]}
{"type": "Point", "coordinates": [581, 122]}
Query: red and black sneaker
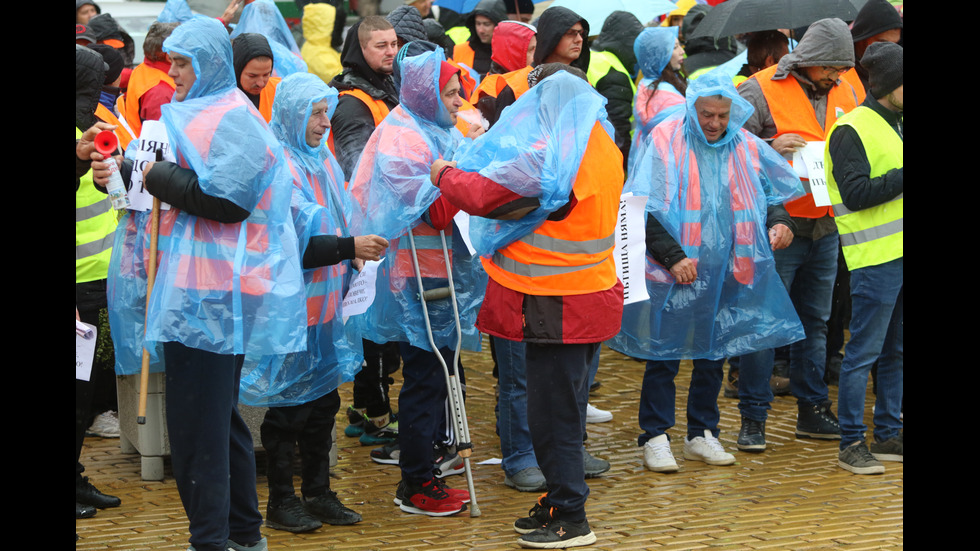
{"type": "Point", "coordinates": [462, 495]}
{"type": "Point", "coordinates": [430, 498]}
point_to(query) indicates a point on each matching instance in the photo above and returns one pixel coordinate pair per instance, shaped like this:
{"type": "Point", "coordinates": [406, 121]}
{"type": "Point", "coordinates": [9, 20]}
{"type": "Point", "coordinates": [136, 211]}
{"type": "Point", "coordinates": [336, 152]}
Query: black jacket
{"type": "Point", "coordinates": [618, 34]}
{"type": "Point", "coordinates": [352, 123]}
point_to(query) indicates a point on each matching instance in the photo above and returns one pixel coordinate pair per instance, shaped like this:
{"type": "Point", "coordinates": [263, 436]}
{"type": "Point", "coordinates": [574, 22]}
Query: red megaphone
{"type": "Point", "coordinates": [106, 142]}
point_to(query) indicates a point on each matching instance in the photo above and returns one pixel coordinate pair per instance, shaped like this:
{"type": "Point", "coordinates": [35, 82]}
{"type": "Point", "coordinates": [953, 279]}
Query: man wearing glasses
{"type": "Point", "coordinates": [562, 38]}
{"type": "Point", "coordinates": [798, 101]}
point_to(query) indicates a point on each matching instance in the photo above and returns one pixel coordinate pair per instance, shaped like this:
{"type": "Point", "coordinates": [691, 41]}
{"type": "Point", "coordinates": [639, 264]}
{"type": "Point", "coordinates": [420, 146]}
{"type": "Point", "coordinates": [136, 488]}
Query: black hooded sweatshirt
{"type": "Point", "coordinates": [618, 34]}
{"type": "Point", "coordinates": [352, 123]}
{"type": "Point", "coordinates": [246, 47]}
{"type": "Point", "coordinates": [495, 11]}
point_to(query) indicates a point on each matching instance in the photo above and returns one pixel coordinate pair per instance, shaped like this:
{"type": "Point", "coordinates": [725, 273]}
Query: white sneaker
{"type": "Point", "coordinates": [105, 425]}
{"type": "Point", "coordinates": [657, 456]}
{"type": "Point", "coordinates": [707, 448]}
{"type": "Point", "coordinates": [596, 415]}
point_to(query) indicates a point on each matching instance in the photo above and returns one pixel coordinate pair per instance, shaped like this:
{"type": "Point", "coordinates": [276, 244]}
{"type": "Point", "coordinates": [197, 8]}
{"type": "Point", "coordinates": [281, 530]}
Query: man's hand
{"type": "Point", "coordinates": [147, 168]}
{"type": "Point", "coordinates": [787, 143]}
{"type": "Point", "coordinates": [369, 247]}
{"type": "Point", "coordinates": [475, 131]}
{"type": "Point", "coordinates": [437, 167]}
{"type": "Point", "coordinates": [100, 168]}
{"type": "Point", "coordinates": [780, 236]}
{"type": "Point", "coordinates": [85, 146]}
{"type": "Point", "coordinates": [684, 271]}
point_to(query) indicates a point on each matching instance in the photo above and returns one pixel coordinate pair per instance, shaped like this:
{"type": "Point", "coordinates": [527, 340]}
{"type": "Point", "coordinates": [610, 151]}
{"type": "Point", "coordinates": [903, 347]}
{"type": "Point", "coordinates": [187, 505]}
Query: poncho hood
{"type": "Point", "coordinates": [653, 49]}
{"type": "Point", "coordinates": [419, 92]}
{"type": "Point", "coordinates": [712, 84]}
{"type": "Point", "coordinates": [263, 17]}
{"type": "Point", "coordinates": [291, 111]}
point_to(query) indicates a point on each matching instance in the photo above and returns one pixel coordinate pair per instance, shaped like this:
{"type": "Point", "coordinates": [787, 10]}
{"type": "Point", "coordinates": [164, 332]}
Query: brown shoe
{"type": "Point", "coordinates": [731, 384]}
{"type": "Point", "coordinates": [779, 385]}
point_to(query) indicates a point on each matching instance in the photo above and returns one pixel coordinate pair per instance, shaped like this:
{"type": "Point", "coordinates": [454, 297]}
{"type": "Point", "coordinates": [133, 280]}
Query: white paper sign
{"type": "Point", "coordinates": [84, 351]}
{"type": "Point", "coordinates": [153, 136]}
{"type": "Point", "coordinates": [361, 292]}
{"type": "Point", "coordinates": [811, 157]}
{"type": "Point", "coordinates": [462, 220]}
{"type": "Point", "coordinates": [631, 248]}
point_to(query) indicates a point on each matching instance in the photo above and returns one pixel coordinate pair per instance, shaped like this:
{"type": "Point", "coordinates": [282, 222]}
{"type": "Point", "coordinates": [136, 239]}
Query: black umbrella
{"type": "Point", "coordinates": [743, 16]}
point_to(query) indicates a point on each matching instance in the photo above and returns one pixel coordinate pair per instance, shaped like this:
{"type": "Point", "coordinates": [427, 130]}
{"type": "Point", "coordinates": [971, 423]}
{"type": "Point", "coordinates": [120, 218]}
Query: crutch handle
{"type": "Point", "coordinates": [436, 294]}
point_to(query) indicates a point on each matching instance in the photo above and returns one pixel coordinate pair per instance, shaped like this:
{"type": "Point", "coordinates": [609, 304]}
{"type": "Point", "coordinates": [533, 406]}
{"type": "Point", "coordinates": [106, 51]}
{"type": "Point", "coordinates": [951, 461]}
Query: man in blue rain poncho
{"type": "Point", "coordinates": [713, 190]}
{"type": "Point", "coordinates": [392, 197]}
{"type": "Point", "coordinates": [301, 389]}
{"type": "Point", "coordinates": [229, 282]}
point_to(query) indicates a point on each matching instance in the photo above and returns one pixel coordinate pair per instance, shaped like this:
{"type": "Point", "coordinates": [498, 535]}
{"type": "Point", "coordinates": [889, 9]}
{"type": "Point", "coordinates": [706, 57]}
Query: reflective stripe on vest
{"type": "Point", "coordinates": [379, 109]}
{"type": "Point", "coordinates": [571, 256]}
{"type": "Point", "coordinates": [141, 80]}
{"type": "Point", "coordinates": [874, 235]}
{"type": "Point", "coordinates": [792, 112]}
{"type": "Point", "coordinates": [95, 226]}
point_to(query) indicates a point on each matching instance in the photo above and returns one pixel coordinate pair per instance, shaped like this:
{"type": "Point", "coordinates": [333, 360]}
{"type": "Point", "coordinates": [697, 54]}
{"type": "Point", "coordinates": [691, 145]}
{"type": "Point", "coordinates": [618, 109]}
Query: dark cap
{"type": "Point", "coordinates": [112, 59]}
{"type": "Point", "coordinates": [885, 64]}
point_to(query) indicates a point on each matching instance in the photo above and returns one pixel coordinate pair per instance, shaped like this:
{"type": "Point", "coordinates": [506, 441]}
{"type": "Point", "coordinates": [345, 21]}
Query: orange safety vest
{"type": "Point", "coordinates": [143, 78]}
{"type": "Point", "coordinates": [852, 77]}
{"type": "Point", "coordinates": [266, 97]}
{"type": "Point", "coordinates": [462, 53]}
{"type": "Point", "coordinates": [792, 112]}
{"type": "Point", "coordinates": [379, 109]}
{"type": "Point", "coordinates": [122, 134]}
{"type": "Point", "coordinates": [493, 85]}
{"type": "Point", "coordinates": [573, 256]}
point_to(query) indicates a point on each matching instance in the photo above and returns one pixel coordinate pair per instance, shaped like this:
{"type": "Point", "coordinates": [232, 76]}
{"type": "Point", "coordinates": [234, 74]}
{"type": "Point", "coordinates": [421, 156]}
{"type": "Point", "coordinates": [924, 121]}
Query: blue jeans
{"type": "Point", "coordinates": [657, 398]}
{"type": "Point", "coordinates": [808, 269]}
{"type": "Point", "coordinates": [515, 437]}
{"type": "Point", "coordinates": [877, 332]}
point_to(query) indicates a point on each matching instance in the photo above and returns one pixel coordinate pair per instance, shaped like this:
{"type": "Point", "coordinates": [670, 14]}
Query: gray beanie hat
{"type": "Point", "coordinates": [885, 64]}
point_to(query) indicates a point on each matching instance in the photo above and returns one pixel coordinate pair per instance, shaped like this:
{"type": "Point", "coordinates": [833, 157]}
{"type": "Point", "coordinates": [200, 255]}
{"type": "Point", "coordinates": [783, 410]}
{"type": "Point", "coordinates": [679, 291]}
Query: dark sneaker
{"type": "Point", "coordinates": [448, 463]}
{"type": "Point", "coordinates": [888, 450]}
{"type": "Point", "coordinates": [430, 498]}
{"type": "Point", "coordinates": [375, 435]}
{"type": "Point", "coordinates": [593, 465]}
{"type": "Point", "coordinates": [84, 511]}
{"type": "Point", "coordinates": [817, 421]}
{"type": "Point", "coordinates": [752, 436]}
{"type": "Point", "coordinates": [355, 423]}
{"type": "Point", "coordinates": [289, 515]}
{"type": "Point", "coordinates": [386, 455]}
{"type": "Point", "coordinates": [559, 534]}
{"type": "Point", "coordinates": [329, 510]}
{"type": "Point", "coordinates": [857, 459]}
{"type": "Point", "coordinates": [87, 494]}
{"type": "Point", "coordinates": [537, 517]}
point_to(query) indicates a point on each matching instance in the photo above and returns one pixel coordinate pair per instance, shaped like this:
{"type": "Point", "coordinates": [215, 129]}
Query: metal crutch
{"type": "Point", "coordinates": [464, 446]}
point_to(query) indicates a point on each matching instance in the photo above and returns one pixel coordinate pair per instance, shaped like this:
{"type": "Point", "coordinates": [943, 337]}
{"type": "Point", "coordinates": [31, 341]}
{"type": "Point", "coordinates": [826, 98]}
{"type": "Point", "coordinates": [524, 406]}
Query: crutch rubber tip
{"type": "Point", "coordinates": [141, 420]}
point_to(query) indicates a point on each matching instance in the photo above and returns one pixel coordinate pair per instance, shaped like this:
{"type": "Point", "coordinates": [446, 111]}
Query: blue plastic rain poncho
{"type": "Point", "coordinates": [712, 198]}
{"type": "Point", "coordinates": [175, 11]}
{"type": "Point", "coordinates": [534, 150]}
{"type": "Point", "coordinates": [653, 48]}
{"type": "Point", "coordinates": [392, 193]}
{"type": "Point", "coordinates": [320, 206]}
{"type": "Point", "coordinates": [227, 288]}
{"type": "Point", "coordinates": [263, 17]}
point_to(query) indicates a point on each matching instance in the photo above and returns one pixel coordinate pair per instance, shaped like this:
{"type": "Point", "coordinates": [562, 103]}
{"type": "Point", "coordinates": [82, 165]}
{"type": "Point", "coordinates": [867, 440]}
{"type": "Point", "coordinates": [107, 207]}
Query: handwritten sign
{"type": "Point", "coordinates": [153, 137]}
{"type": "Point", "coordinates": [808, 162]}
{"type": "Point", "coordinates": [84, 350]}
{"type": "Point", "coordinates": [361, 293]}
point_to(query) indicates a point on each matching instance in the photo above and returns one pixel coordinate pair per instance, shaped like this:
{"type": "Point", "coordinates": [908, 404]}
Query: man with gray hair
{"type": "Point", "coordinates": [149, 85]}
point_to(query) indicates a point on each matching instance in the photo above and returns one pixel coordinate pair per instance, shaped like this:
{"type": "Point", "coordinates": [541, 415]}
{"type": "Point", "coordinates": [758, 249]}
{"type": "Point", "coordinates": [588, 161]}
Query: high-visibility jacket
{"type": "Point", "coordinates": [601, 63]}
{"type": "Point", "coordinates": [267, 97]}
{"type": "Point", "coordinates": [793, 113]}
{"type": "Point", "coordinates": [143, 78]}
{"type": "Point", "coordinates": [379, 109]}
{"type": "Point", "coordinates": [463, 53]}
{"type": "Point", "coordinates": [122, 134]}
{"type": "Point", "coordinates": [874, 235]}
{"type": "Point", "coordinates": [95, 227]}
{"type": "Point", "coordinates": [573, 256]}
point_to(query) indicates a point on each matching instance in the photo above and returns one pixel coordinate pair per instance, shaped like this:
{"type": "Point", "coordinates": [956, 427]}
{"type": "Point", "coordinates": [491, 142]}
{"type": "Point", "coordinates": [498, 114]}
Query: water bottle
{"type": "Point", "coordinates": [106, 144]}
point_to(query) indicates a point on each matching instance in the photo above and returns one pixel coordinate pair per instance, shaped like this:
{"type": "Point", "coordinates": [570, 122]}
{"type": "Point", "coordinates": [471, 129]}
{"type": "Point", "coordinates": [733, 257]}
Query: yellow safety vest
{"type": "Point", "coordinates": [95, 227]}
{"type": "Point", "coordinates": [874, 235]}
